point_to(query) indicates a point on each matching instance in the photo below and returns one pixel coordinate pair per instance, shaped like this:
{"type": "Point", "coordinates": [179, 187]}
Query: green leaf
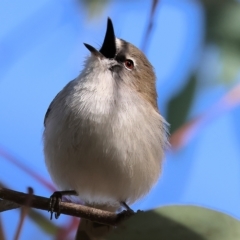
{"type": "Point", "coordinates": [178, 223]}
{"type": "Point", "coordinates": [179, 105]}
{"type": "Point", "coordinates": [230, 60]}
{"type": "Point", "coordinates": [223, 21]}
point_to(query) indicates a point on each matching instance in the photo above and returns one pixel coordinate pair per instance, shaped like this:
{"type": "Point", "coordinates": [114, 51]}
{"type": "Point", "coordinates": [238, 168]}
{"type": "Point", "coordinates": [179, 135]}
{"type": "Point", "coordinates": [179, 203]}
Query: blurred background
{"type": "Point", "coordinates": [194, 46]}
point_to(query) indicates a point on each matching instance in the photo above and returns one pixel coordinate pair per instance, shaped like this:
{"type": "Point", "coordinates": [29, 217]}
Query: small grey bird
{"type": "Point", "coordinates": [104, 137]}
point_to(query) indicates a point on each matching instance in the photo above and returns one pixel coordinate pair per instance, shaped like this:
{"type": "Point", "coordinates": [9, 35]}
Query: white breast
{"type": "Point", "coordinates": [103, 140]}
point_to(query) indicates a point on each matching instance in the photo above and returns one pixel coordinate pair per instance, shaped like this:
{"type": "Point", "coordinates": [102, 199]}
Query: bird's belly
{"type": "Point", "coordinates": [110, 154]}
{"type": "Point", "coordinates": [103, 167]}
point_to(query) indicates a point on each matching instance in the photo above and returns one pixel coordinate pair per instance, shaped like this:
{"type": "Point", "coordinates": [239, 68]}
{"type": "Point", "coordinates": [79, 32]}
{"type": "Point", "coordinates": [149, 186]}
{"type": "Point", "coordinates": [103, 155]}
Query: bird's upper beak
{"type": "Point", "coordinates": [108, 49]}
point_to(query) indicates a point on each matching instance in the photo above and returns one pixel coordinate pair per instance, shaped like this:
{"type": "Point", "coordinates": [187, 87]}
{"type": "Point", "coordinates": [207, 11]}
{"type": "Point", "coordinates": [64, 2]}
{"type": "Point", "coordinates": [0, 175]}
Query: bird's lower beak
{"type": "Point", "coordinates": [94, 51]}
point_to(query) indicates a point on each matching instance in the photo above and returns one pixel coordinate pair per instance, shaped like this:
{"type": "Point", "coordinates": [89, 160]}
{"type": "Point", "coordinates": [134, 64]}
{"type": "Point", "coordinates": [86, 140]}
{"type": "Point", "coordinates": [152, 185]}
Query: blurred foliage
{"type": "Point", "coordinates": [222, 18]}
{"type": "Point", "coordinates": [223, 22]}
{"type": "Point", "coordinates": [94, 7]}
{"type": "Point", "coordinates": [1, 231]}
{"type": "Point", "coordinates": [230, 55]}
{"type": "Point", "coordinates": [179, 105]}
{"type": "Point", "coordinates": [222, 29]}
{"type": "Point", "coordinates": [178, 223]}
{"type": "Point", "coordinates": [44, 223]}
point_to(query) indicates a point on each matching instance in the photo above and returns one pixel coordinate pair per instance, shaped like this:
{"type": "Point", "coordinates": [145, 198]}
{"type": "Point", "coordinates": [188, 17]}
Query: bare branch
{"type": "Point", "coordinates": [7, 205]}
{"type": "Point", "coordinates": [66, 208]}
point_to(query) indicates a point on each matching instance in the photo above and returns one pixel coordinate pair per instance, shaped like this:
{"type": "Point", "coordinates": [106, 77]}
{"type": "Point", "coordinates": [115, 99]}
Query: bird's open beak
{"type": "Point", "coordinates": [94, 51]}
{"type": "Point", "coordinates": [108, 49]}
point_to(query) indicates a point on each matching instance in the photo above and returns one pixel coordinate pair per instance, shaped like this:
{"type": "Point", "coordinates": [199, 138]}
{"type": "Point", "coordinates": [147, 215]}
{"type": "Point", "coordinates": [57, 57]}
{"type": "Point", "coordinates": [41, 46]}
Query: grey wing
{"type": "Point", "coordinates": [50, 108]}
{"type": "Point", "coordinates": [51, 104]}
{"type": "Point", "coordinates": [47, 113]}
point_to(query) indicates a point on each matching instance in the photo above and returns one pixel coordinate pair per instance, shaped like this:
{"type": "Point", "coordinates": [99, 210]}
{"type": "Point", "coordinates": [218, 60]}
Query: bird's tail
{"type": "Point", "coordinates": [88, 230]}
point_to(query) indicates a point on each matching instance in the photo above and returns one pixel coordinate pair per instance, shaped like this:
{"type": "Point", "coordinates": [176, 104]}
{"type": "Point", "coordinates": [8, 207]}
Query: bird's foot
{"type": "Point", "coordinates": [54, 204]}
{"type": "Point", "coordinates": [128, 212]}
{"type": "Point", "coordinates": [127, 208]}
{"type": "Point", "coordinates": [55, 200]}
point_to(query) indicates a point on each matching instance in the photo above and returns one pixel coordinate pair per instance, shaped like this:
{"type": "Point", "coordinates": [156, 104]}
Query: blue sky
{"type": "Point", "coordinates": [41, 49]}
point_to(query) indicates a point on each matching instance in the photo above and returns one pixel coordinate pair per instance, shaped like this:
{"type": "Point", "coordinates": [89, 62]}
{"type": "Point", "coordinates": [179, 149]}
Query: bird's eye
{"type": "Point", "coordinates": [128, 63]}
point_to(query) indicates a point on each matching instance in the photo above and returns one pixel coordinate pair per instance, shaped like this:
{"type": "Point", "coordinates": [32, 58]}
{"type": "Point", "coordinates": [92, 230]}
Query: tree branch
{"type": "Point", "coordinates": [67, 208]}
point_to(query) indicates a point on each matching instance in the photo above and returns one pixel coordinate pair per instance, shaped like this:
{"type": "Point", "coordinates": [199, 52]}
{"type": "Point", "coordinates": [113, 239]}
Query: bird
{"type": "Point", "coordinates": [104, 137]}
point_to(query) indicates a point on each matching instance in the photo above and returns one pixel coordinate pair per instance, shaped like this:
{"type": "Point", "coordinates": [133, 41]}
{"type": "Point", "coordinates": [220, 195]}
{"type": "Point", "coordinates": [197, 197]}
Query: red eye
{"type": "Point", "coordinates": [129, 64]}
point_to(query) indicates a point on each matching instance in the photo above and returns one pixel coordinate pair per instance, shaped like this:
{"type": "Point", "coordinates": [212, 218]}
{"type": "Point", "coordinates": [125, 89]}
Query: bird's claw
{"type": "Point", "coordinates": [54, 204]}
{"type": "Point", "coordinates": [127, 208]}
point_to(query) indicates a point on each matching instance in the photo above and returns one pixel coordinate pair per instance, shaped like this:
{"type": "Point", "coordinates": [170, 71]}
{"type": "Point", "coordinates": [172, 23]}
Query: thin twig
{"type": "Point", "coordinates": [24, 212]}
{"type": "Point", "coordinates": [147, 34]}
{"type": "Point", "coordinates": [67, 208]}
{"type": "Point", "coordinates": [2, 235]}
